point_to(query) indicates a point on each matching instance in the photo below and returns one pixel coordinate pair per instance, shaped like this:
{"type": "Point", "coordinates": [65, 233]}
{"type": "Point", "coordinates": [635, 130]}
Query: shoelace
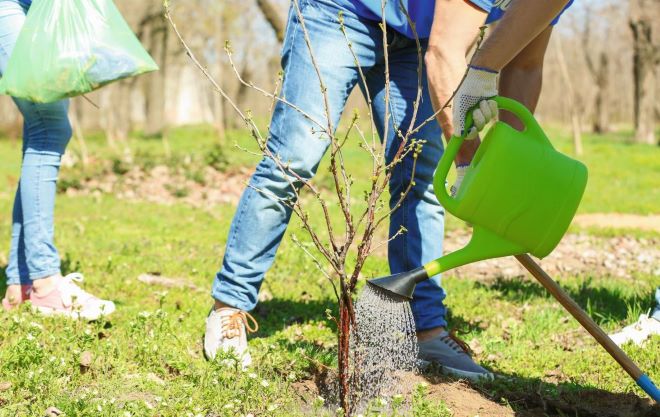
{"type": "Point", "coordinates": [456, 343]}
{"type": "Point", "coordinates": [232, 324]}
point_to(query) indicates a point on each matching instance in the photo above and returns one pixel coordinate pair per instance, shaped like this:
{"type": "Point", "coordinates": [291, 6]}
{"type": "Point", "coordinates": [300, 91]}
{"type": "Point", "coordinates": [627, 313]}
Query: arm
{"type": "Point", "coordinates": [525, 21]}
{"type": "Point", "coordinates": [455, 28]}
{"type": "Point", "coordinates": [522, 78]}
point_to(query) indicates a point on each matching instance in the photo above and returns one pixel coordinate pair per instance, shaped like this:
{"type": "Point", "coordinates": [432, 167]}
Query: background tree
{"type": "Point", "coordinates": [645, 26]}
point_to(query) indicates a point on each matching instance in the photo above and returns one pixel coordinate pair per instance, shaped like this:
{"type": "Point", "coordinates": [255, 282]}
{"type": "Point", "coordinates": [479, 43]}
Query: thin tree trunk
{"type": "Point", "coordinates": [218, 103]}
{"type": "Point", "coordinates": [155, 94]}
{"type": "Point", "coordinates": [78, 132]}
{"type": "Point", "coordinates": [570, 97]}
{"type": "Point", "coordinates": [272, 17]}
{"type": "Point", "coordinates": [602, 111]}
{"type": "Point", "coordinates": [601, 77]}
{"type": "Point", "coordinates": [346, 322]}
{"type": "Point", "coordinates": [644, 16]}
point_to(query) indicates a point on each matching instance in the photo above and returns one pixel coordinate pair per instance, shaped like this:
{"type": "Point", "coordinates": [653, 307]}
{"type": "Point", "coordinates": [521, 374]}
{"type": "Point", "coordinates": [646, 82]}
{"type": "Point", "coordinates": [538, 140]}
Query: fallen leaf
{"type": "Point", "coordinates": [4, 386]}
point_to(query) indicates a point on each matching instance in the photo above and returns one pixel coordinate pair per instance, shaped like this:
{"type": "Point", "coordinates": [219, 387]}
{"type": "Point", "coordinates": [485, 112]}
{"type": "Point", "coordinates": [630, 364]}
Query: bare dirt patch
{"type": "Point", "coordinates": [619, 221]}
{"type": "Point", "coordinates": [463, 400]}
{"type": "Point", "coordinates": [164, 185]}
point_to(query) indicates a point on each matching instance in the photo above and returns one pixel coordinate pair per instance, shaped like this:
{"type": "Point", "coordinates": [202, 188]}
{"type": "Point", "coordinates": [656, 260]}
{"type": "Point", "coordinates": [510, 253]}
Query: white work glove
{"type": "Point", "coordinates": [479, 85]}
{"type": "Point", "coordinates": [460, 174]}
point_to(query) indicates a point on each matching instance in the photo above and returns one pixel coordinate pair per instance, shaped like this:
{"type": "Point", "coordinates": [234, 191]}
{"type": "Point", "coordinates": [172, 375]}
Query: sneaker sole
{"type": "Point", "coordinates": [471, 376]}
{"type": "Point", "coordinates": [245, 363]}
{"type": "Point", "coordinates": [51, 312]}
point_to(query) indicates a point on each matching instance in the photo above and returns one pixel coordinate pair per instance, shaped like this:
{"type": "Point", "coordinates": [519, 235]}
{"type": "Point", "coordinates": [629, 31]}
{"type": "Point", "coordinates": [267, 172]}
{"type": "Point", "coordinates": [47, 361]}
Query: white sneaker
{"type": "Point", "coordinates": [226, 331]}
{"type": "Point", "coordinates": [637, 332]}
{"type": "Point", "coordinates": [68, 299]}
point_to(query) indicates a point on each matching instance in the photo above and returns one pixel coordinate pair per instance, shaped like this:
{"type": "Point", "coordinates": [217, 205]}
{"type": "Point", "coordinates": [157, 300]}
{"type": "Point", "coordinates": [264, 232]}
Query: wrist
{"type": "Point", "coordinates": [480, 62]}
{"type": "Point", "coordinates": [484, 69]}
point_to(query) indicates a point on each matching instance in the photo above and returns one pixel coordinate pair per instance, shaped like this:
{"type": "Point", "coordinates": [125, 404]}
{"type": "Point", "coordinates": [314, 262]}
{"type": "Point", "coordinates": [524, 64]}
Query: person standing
{"type": "Point", "coordinates": [33, 271]}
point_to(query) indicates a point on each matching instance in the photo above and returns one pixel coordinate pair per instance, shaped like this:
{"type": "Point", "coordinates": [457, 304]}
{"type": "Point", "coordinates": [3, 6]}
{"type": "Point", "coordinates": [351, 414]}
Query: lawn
{"type": "Point", "coordinates": [146, 359]}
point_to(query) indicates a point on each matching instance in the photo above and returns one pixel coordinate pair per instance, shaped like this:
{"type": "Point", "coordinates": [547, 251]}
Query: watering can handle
{"type": "Point", "coordinates": [440, 178]}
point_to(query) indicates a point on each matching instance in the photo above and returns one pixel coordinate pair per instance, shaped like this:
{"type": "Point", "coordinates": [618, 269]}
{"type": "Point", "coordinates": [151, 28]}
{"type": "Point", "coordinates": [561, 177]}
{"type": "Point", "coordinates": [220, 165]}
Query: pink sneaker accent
{"type": "Point", "coordinates": [68, 299]}
{"type": "Point", "coordinates": [25, 295]}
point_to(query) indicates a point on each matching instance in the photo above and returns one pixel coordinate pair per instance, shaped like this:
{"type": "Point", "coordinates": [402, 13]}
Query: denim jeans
{"type": "Point", "coordinates": [261, 220]}
{"type": "Point", "coordinates": [656, 311]}
{"type": "Point", "coordinates": [46, 132]}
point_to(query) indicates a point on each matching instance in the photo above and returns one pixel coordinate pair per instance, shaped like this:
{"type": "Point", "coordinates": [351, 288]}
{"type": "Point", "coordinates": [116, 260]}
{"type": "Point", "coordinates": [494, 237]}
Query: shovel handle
{"type": "Point", "coordinates": [642, 380]}
{"type": "Point", "coordinates": [587, 322]}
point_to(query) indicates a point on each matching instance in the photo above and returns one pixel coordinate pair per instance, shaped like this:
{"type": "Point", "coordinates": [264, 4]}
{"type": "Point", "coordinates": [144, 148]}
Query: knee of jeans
{"type": "Point", "coordinates": [279, 176]}
{"type": "Point", "coordinates": [412, 187]}
{"type": "Point", "coordinates": [269, 178]}
{"type": "Point", "coordinates": [47, 127]}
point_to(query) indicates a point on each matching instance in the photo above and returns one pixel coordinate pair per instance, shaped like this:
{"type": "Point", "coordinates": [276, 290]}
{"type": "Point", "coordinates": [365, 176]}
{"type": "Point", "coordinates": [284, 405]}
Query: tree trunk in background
{"type": "Point", "coordinates": [601, 122]}
{"type": "Point", "coordinates": [600, 74]}
{"type": "Point", "coordinates": [218, 100]}
{"type": "Point", "coordinates": [645, 24]}
{"type": "Point", "coordinates": [74, 116]}
{"type": "Point", "coordinates": [155, 94]}
{"type": "Point", "coordinates": [573, 108]}
{"type": "Point", "coordinates": [273, 17]}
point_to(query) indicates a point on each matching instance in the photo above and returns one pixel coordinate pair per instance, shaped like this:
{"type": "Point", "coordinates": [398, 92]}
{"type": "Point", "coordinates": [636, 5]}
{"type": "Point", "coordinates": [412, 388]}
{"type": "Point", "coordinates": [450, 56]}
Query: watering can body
{"type": "Point", "coordinates": [519, 193]}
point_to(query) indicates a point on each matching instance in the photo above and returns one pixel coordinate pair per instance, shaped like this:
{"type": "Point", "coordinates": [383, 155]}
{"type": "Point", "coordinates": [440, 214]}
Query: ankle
{"type": "Point", "coordinates": [44, 286]}
{"type": "Point", "coordinates": [428, 334]}
{"type": "Point", "coordinates": [14, 294]}
{"type": "Point", "coordinates": [219, 304]}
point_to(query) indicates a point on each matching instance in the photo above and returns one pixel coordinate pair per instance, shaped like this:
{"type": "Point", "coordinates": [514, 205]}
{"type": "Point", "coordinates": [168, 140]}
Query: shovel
{"type": "Point", "coordinates": [520, 195]}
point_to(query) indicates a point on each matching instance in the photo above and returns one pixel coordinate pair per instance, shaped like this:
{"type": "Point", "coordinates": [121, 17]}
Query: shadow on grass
{"type": "Point", "coordinates": [603, 304]}
{"type": "Point", "coordinates": [3, 280]}
{"type": "Point", "coordinates": [531, 397]}
{"type": "Point", "coordinates": [276, 314]}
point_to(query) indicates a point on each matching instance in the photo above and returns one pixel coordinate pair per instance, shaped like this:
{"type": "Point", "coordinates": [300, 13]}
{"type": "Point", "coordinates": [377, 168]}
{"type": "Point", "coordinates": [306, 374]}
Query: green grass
{"type": "Point", "coordinates": [147, 359]}
{"type": "Point", "coordinates": [624, 177]}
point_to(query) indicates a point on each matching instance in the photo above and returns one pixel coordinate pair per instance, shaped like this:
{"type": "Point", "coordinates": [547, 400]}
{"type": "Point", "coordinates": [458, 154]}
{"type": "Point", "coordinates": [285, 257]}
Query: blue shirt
{"type": "Point", "coordinates": [421, 12]}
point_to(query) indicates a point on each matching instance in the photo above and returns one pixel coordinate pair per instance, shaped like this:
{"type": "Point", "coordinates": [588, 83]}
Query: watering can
{"type": "Point", "coordinates": [519, 194]}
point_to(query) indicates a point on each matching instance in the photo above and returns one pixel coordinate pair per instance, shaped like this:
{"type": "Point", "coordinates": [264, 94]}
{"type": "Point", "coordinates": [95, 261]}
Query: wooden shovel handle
{"type": "Point", "coordinates": [619, 355]}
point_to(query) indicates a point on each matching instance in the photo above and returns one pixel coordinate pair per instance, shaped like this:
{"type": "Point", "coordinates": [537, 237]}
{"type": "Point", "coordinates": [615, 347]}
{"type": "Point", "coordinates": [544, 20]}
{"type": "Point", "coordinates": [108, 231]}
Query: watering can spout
{"type": "Point", "coordinates": [401, 286]}
{"type": "Point", "coordinates": [483, 245]}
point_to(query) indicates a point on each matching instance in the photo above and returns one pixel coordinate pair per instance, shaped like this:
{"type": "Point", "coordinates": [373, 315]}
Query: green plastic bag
{"type": "Point", "coordinates": [71, 47]}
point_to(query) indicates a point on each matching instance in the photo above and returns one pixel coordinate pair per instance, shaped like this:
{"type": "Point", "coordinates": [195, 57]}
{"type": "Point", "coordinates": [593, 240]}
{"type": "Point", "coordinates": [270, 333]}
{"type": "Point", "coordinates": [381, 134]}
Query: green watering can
{"type": "Point", "coordinates": [520, 195]}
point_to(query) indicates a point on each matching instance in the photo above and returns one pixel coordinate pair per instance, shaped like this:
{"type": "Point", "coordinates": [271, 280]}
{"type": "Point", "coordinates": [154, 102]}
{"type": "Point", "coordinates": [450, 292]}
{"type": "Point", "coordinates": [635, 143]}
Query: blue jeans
{"type": "Point", "coordinates": [656, 311]}
{"type": "Point", "coordinates": [46, 132]}
{"type": "Point", "coordinates": [260, 220]}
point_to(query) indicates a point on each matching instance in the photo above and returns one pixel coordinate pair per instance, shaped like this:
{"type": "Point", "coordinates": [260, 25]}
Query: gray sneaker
{"type": "Point", "coordinates": [453, 359]}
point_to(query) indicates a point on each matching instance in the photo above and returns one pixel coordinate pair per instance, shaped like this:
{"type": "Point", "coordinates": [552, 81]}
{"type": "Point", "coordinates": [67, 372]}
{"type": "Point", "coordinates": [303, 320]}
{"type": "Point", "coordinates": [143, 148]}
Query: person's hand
{"type": "Point", "coordinates": [479, 85]}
